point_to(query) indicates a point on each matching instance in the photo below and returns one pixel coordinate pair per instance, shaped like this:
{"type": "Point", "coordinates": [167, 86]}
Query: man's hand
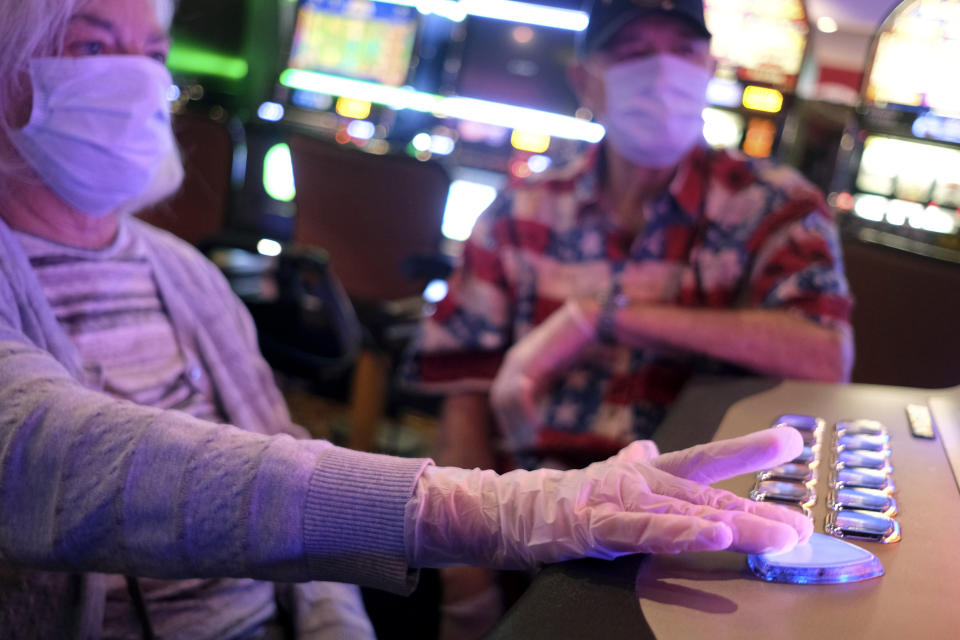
{"type": "Point", "coordinates": [529, 367]}
{"type": "Point", "coordinates": [628, 504]}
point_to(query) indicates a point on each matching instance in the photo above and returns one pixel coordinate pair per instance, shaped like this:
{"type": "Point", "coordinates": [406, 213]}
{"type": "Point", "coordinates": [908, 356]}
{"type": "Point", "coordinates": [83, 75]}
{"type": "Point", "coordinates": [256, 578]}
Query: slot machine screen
{"type": "Point", "coordinates": [758, 40]}
{"type": "Point", "coordinates": [909, 170]}
{"type": "Point", "coordinates": [358, 39]}
{"type": "Point", "coordinates": [909, 69]}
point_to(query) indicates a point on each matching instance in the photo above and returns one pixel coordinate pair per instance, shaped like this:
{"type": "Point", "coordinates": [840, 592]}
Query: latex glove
{"type": "Point", "coordinates": [624, 505]}
{"type": "Point", "coordinates": [530, 365]}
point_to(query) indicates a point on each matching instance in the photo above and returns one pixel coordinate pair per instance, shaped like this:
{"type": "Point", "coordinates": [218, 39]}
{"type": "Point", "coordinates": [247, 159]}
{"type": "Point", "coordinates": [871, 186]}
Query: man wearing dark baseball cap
{"type": "Point", "coordinates": [608, 16]}
{"type": "Point", "coordinates": [596, 292]}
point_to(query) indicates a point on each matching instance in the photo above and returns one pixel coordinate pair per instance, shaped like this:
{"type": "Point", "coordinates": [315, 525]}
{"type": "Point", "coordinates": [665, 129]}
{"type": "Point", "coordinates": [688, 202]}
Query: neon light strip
{"type": "Point", "coordinates": [494, 113]}
{"type": "Point", "coordinates": [507, 10]}
{"type": "Point", "coordinates": [528, 13]}
{"type": "Point", "coordinates": [187, 58]}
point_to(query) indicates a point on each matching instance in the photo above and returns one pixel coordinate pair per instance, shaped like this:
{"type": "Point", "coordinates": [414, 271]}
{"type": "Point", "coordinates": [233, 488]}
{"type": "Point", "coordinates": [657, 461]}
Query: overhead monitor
{"type": "Point", "coordinates": [914, 53]}
{"type": "Point", "coordinates": [759, 40]}
{"type": "Point", "coordinates": [359, 39]}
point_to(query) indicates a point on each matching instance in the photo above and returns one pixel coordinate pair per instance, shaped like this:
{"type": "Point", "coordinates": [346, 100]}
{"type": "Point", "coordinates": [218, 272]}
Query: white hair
{"type": "Point", "coordinates": [31, 29]}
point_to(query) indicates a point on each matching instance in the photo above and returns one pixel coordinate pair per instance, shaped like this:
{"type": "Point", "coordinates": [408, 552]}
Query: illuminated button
{"type": "Point", "coordinates": [866, 459]}
{"type": "Point", "coordinates": [791, 471]}
{"type": "Point", "coordinates": [782, 491]}
{"type": "Point", "coordinates": [863, 525]}
{"type": "Point", "coordinates": [807, 456]}
{"type": "Point", "coordinates": [860, 428]}
{"type": "Point", "coordinates": [803, 423]}
{"type": "Point", "coordinates": [863, 443]}
{"type": "Point", "coordinates": [864, 479]}
{"type": "Point", "coordinates": [863, 499]}
{"type": "Point", "coordinates": [821, 560]}
{"type": "Point", "coordinates": [811, 439]}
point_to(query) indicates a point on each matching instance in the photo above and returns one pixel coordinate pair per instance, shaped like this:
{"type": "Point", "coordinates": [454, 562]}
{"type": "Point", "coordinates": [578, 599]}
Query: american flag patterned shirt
{"type": "Point", "coordinates": [730, 232]}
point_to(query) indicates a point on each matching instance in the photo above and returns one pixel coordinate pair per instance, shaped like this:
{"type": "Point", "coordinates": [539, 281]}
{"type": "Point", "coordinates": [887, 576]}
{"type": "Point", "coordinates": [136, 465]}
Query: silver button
{"type": "Point", "coordinates": [196, 373]}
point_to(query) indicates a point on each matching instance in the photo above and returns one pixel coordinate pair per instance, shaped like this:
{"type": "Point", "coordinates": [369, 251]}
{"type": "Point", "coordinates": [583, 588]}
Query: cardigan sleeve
{"type": "Point", "coordinates": [89, 483]}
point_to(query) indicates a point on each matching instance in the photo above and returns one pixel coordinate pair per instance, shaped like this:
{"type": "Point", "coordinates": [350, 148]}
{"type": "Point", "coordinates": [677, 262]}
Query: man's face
{"type": "Point", "coordinates": [649, 36]}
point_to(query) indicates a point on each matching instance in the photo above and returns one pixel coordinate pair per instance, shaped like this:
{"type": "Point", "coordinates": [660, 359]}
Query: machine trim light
{"type": "Point", "coordinates": [271, 111]}
{"type": "Point", "coordinates": [472, 109]}
{"type": "Point", "coordinates": [506, 10]}
{"type": "Point", "coordinates": [278, 179]}
{"type": "Point", "coordinates": [187, 58]}
{"type": "Point", "coordinates": [762, 99]}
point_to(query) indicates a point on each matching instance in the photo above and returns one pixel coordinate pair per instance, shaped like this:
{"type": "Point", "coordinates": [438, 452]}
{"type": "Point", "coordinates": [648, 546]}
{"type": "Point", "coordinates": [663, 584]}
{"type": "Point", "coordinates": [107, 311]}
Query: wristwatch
{"type": "Point", "coordinates": [606, 321]}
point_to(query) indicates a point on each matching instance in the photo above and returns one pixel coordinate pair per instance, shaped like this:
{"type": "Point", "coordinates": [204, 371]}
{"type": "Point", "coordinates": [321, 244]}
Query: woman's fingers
{"type": "Point", "coordinates": [709, 463]}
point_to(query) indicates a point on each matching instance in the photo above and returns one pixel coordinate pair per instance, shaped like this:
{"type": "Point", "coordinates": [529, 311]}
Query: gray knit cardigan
{"type": "Point", "coordinates": [92, 484]}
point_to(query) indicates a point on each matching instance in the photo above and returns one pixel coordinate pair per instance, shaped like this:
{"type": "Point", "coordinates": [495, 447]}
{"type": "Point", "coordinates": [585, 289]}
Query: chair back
{"type": "Point", "coordinates": [371, 213]}
{"type": "Point", "coordinates": [198, 212]}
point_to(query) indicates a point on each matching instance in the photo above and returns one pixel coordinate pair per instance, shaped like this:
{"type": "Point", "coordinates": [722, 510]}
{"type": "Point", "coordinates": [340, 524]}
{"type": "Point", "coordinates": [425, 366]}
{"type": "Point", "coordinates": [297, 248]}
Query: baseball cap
{"type": "Point", "coordinates": [609, 16]}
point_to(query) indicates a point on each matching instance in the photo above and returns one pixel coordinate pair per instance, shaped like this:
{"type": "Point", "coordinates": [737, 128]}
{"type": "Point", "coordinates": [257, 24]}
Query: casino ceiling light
{"type": "Point", "coordinates": [189, 59]}
{"type": "Point", "coordinates": [484, 111]}
{"type": "Point", "coordinates": [826, 24]}
{"type": "Point", "coordinates": [507, 10]}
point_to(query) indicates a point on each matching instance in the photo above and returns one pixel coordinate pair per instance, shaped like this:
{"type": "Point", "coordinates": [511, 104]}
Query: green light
{"type": "Point", "coordinates": [187, 58]}
{"type": "Point", "coordinates": [278, 173]}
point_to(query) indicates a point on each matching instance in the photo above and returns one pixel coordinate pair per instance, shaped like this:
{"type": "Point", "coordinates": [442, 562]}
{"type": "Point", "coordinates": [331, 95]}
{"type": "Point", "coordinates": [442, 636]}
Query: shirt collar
{"type": "Point", "coordinates": [688, 186]}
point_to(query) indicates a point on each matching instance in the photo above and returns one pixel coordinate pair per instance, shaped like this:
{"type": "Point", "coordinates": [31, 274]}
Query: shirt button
{"type": "Point", "coordinates": [196, 373]}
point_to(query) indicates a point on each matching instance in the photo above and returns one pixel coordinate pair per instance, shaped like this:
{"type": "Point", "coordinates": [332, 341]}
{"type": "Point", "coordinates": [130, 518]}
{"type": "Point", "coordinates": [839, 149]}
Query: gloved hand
{"type": "Point", "coordinates": [529, 367]}
{"type": "Point", "coordinates": [627, 504]}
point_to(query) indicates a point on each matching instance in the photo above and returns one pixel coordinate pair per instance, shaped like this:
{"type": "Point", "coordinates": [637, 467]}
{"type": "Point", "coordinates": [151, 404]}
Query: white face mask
{"type": "Point", "coordinates": [654, 111]}
{"type": "Point", "coordinates": [100, 128]}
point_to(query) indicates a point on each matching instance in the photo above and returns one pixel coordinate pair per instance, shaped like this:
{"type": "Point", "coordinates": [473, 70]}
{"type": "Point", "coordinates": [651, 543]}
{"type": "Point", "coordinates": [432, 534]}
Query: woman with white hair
{"type": "Point", "coordinates": [141, 433]}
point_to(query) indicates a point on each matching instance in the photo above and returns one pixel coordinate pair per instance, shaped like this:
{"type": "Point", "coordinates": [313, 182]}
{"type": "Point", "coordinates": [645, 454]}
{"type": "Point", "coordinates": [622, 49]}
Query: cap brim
{"type": "Point", "coordinates": [597, 41]}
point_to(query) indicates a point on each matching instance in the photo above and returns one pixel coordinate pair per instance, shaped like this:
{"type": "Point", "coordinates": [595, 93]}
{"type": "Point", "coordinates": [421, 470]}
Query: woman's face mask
{"type": "Point", "coordinates": [654, 108]}
{"type": "Point", "coordinates": [100, 128]}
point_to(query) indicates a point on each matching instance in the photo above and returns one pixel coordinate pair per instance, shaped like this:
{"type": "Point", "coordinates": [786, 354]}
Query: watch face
{"type": "Point", "coordinates": [822, 560]}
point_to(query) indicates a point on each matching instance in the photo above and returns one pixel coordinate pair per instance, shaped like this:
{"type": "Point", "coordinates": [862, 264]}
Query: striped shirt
{"type": "Point", "coordinates": [108, 302]}
{"type": "Point", "coordinates": [729, 232]}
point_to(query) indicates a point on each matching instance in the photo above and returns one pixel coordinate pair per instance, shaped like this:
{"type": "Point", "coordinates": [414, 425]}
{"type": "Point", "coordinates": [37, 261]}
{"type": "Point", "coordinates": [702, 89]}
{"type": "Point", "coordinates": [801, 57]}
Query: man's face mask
{"type": "Point", "coordinates": [654, 108]}
{"type": "Point", "coordinates": [100, 128]}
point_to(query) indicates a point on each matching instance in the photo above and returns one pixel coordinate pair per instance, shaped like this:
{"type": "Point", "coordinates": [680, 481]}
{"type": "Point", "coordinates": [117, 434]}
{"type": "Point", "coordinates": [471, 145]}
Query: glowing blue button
{"type": "Point", "coordinates": [822, 560]}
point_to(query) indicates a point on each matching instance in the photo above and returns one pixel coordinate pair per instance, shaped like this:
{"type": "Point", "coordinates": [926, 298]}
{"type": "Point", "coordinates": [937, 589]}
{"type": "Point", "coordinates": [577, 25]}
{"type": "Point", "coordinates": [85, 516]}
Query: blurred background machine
{"type": "Point", "coordinates": [761, 47]}
{"type": "Point", "coordinates": [901, 174]}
